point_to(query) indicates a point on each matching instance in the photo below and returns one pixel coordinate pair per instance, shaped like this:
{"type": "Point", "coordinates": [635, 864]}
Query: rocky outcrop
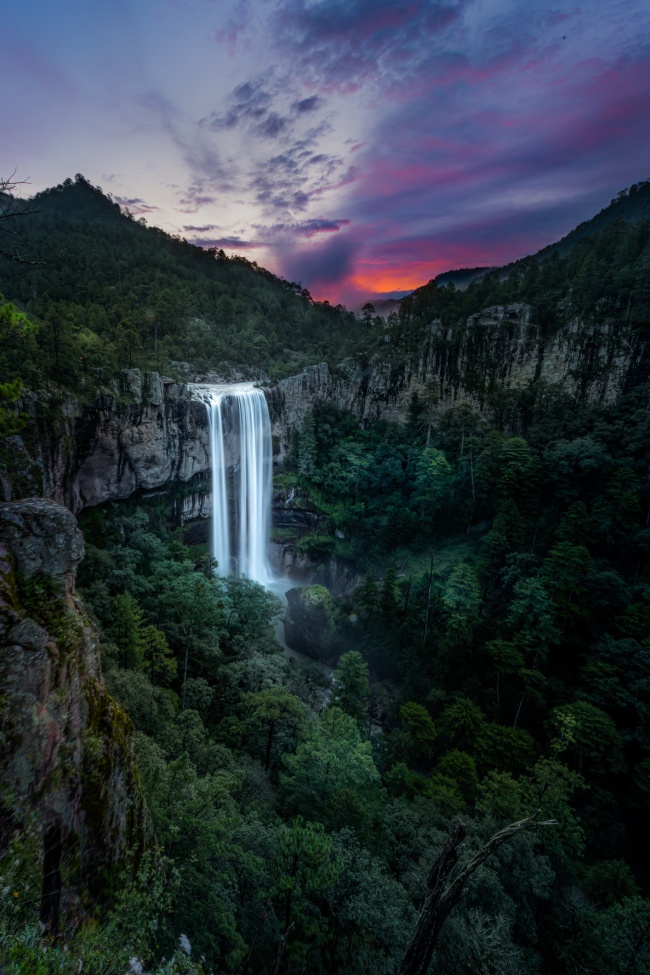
{"type": "Point", "coordinates": [147, 432]}
{"type": "Point", "coordinates": [309, 627]}
{"type": "Point", "coordinates": [499, 348]}
{"type": "Point", "coordinates": [65, 755]}
{"type": "Point", "coordinates": [141, 435]}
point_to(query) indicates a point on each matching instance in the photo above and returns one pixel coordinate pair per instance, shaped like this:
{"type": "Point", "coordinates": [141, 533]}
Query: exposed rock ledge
{"type": "Point", "coordinates": [141, 435]}
{"type": "Point", "coordinates": [147, 431]}
{"type": "Point", "coordinates": [65, 754]}
{"type": "Point", "coordinates": [498, 348]}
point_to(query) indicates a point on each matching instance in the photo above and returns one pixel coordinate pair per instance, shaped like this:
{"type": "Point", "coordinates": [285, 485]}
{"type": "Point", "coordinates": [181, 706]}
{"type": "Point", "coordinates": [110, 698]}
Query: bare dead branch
{"type": "Point", "coordinates": [442, 896]}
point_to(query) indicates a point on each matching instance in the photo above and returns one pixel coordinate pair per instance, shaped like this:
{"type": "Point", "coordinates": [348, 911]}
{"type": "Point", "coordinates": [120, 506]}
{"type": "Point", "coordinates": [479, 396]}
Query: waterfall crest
{"type": "Point", "coordinates": [240, 432]}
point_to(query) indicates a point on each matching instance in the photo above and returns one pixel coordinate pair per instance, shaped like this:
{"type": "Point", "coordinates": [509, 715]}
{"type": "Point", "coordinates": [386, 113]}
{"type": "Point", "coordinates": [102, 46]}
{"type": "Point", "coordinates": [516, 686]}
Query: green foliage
{"type": "Point", "coordinates": [461, 723]}
{"type": "Point", "coordinates": [121, 295]}
{"type": "Point", "coordinates": [617, 940]}
{"type": "Point", "coordinates": [590, 734]}
{"type": "Point", "coordinates": [610, 882]}
{"type": "Point", "coordinates": [332, 778]}
{"type": "Point", "coordinates": [127, 631]}
{"type": "Point", "coordinates": [495, 656]}
{"type": "Point", "coordinates": [461, 600]}
{"type": "Point", "coordinates": [351, 685]}
{"type": "Point", "coordinates": [420, 731]}
{"type": "Point", "coordinates": [432, 481]}
{"type": "Point", "coordinates": [274, 720]}
{"type": "Point", "coordinates": [304, 865]}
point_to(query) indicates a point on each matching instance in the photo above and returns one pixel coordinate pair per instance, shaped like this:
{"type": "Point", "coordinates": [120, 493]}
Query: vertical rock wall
{"type": "Point", "coordinates": [66, 755]}
{"type": "Point", "coordinates": [497, 349]}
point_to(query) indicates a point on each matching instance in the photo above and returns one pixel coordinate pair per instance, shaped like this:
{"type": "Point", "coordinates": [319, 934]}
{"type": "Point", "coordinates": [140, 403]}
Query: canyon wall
{"type": "Point", "coordinates": [499, 348]}
{"type": "Point", "coordinates": [147, 432]}
{"type": "Point", "coordinates": [142, 434]}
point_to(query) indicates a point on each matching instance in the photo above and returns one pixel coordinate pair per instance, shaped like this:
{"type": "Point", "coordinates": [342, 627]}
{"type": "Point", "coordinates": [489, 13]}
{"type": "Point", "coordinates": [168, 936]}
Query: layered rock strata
{"type": "Point", "coordinates": [498, 349]}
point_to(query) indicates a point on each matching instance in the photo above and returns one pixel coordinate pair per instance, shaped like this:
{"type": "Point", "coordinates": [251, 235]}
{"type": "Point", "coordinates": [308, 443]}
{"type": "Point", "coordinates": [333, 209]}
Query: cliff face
{"type": "Point", "coordinates": [65, 755]}
{"type": "Point", "coordinates": [497, 349]}
{"type": "Point", "coordinates": [143, 435]}
{"type": "Point", "coordinates": [149, 432]}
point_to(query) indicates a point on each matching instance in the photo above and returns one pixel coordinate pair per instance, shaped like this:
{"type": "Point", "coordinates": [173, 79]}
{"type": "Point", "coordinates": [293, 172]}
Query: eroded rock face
{"type": "Point", "coordinates": [147, 431]}
{"type": "Point", "coordinates": [498, 348]}
{"type": "Point", "coordinates": [142, 435]}
{"type": "Point", "coordinates": [43, 538]}
{"type": "Point", "coordinates": [66, 753]}
{"type": "Point", "coordinates": [310, 628]}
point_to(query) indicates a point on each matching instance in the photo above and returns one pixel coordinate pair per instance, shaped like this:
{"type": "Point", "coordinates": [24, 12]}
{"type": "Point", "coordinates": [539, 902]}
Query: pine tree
{"type": "Point", "coordinates": [126, 626]}
{"type": "Point", "coordinates": [351, 685]}
{"type": "Point", "coordinates": [157, 656]}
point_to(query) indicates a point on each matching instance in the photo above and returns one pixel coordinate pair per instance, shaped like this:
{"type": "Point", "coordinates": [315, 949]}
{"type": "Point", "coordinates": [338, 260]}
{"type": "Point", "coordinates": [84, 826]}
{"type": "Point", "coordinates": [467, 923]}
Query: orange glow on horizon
{"type": "Point", "coordinates": [399, 278]}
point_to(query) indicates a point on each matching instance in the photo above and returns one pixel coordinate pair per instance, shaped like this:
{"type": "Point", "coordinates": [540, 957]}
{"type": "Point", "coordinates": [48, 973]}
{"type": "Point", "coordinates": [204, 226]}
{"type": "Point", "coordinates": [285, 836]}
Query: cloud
{"type": "Point", "coordinates": [328, 264]}
{"type": "Point", "coordinates": [342, 44]}
{"type": "Point", "coordinates": [195, 197]}
{"type": "Point", "coordinates": [135, 205]}
{"type": "Point", "coordinates": [230, 243]}
{"type": "Point", "coordinates": [190, 228]}
{"type": "Point", "coordinates": [236, 26]}
{"type": "Point", "coordinates": [250, 104]}
{"type": "Point", "coordinates": [273, 126]}
{"type": "Point", "coordinates": [264, 107]}
{"type": "Point", "coordinates": [289, 181]}
{"type": "Point", "coordinates": [308, 104]}
{"type": "Point", "coordinates": [306, 228]}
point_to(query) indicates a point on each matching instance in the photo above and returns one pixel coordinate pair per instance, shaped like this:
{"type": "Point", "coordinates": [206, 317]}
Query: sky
{"type": "Point", "coordinates": [359, 147]}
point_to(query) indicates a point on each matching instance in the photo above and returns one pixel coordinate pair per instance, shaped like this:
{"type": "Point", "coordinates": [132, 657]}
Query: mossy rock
{"type": "Point", "coordinates": [311, 627]}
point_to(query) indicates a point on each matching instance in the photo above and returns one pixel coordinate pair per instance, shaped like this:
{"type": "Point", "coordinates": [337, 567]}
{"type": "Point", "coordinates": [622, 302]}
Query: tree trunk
{"type": "Point", "coordinates": [441, 896]}
{"type": "Point", "coordinates": [419, 952]}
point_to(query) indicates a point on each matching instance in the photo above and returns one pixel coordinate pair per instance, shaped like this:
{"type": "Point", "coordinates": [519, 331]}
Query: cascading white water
{"type": "Point", "coordinates": [238, 416]}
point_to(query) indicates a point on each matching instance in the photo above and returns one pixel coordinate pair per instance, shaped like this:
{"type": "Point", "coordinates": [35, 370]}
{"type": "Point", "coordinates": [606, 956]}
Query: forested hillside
{"type": "Point", "coordinates": [490, 667]}
{"type": "Point", "coordinates": [110, 293]}
{"type": "Point", "coordinates": [604, 276]}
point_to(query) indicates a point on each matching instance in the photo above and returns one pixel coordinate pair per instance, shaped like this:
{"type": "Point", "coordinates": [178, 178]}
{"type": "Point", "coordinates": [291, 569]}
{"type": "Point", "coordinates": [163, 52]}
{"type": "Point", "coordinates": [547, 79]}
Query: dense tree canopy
{"type": "Point", "coordinates": [491, 664]}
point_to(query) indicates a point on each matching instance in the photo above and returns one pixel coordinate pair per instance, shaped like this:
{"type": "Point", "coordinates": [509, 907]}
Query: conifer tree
{"type": "Point", "coordinates": [351, 685]}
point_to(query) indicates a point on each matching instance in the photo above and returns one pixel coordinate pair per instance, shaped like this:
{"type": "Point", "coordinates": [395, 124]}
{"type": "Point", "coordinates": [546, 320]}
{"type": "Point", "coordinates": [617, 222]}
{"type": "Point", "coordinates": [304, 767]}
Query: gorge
{"type": "Point", "coordinates": [465, 487]}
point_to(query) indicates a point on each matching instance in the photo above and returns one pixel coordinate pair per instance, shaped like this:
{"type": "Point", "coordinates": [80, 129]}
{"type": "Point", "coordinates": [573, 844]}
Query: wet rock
{"type": "Point", "coordinates": [310, 628]}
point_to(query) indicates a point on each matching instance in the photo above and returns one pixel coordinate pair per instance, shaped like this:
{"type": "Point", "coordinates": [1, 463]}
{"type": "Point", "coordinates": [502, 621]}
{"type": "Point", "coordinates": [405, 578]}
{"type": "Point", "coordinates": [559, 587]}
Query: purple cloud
{"type": "Point", "coordinates": [135, 205]}
{"type": "Point", "coordinates": [230, 243]}
{"type": "Point", "coordinates": [308, 228]}
{"type": "Point", "coordinates": [344, 43]}
{"type": "Point", "coordinates": [308, 104]}
{"type": "Point", "coordinates": [325, 265]}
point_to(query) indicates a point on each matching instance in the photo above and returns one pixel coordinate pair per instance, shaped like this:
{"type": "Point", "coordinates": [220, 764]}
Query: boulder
{"type": "Point", "coordinates": [310, 628]}
{"type": "Point", "coordinates": [43, 537]}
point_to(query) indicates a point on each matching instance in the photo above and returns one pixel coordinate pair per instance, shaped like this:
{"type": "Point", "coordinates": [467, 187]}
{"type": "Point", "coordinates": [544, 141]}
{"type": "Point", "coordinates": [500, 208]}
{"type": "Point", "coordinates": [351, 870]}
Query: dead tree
{"type": "Point", "coordinates": [443, 893]}
{"type": "Point", "coordinates": [11, 209]}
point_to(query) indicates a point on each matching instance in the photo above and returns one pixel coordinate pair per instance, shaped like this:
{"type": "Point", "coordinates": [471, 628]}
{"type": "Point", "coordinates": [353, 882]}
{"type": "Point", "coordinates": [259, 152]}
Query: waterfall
{"type": "Point", "coordinates": [240, 431]}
